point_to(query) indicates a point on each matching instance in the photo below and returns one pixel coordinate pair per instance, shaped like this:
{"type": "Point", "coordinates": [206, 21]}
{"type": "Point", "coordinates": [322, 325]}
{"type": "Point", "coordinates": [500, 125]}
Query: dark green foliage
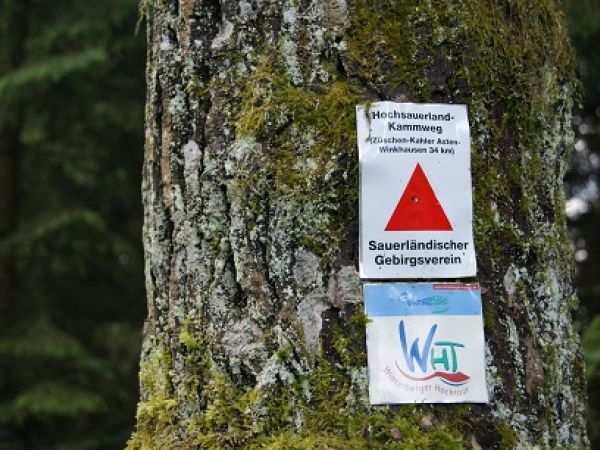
{"type": "Point", "coordinates": [71, 93]}
{"type": "Point", "coordinates": [591, 346]}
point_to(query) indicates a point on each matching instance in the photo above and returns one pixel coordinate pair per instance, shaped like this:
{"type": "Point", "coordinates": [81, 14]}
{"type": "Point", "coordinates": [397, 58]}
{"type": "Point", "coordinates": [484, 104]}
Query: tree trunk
{"type": "Point", "coordinates": [255, 335]}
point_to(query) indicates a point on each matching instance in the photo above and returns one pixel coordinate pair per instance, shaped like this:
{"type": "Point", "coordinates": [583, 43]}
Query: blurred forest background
{"type": "Point", "coordinates": [583, 204]}
{"type": "Point", "coordinates": [71, 149]}
{"type": "Point", "coordinates": [72, 299]}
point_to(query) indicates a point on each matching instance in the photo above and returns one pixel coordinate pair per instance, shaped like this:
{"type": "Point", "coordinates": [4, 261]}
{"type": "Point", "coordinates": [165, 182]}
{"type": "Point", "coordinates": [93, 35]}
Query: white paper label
{"type": "Point", "coordinates": [415, 191]}
{"type": "Point", "coordinates": [425, 343]}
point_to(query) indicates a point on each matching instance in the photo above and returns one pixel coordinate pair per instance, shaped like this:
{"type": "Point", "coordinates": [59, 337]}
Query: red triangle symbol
{"type": "Point", "coordinates": [418, 208]}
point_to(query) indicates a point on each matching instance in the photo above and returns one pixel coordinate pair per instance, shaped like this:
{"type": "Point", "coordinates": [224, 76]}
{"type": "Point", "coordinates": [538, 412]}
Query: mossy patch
{"type": "Point", "coordinates": [317, 410]}
{"type": "Point", "coordinates": [309, 135]}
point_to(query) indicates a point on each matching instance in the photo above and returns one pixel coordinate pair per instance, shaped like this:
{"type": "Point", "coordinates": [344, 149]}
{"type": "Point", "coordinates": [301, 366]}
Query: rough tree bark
{"type": "Point", "coordinates": [255, 331]}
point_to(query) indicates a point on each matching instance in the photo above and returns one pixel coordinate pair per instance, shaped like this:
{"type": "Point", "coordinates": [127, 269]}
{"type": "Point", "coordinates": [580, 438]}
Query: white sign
{"type": "Point", "coordinates": [425, 343]}
{"type": "Point", "coordinates": [415, 191]}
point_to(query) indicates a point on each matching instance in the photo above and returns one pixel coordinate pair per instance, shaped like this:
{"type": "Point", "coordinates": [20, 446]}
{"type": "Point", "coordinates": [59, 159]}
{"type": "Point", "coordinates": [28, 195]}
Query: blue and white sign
{"type": "Point", "coordinates": [425, 343]}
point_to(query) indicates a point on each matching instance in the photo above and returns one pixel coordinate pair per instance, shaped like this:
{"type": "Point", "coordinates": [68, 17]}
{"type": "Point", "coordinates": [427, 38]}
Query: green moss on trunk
{"type": "Point", "coordinates": [255, 337]}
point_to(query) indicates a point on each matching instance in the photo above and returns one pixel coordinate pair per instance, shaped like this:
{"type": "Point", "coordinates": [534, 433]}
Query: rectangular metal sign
{"type": "Point", "coordinates": [425, 343]}
{"type": "Point", "coordinates": [415, 191]}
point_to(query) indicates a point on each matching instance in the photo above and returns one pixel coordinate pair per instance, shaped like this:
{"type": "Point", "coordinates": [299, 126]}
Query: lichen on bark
{"type": "Point", "coordinates": [255, 332]}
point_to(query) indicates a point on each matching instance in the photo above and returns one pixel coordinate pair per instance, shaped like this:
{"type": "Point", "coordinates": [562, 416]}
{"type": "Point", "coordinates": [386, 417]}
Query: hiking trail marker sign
{"type": "Point", "coordinates": [425, 343]}
{"type": "Point", "coordinates": [416, 204]}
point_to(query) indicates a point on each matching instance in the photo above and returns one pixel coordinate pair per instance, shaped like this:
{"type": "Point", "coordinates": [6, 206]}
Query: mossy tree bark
{"type": "Point", "coordinates": [255, 333]}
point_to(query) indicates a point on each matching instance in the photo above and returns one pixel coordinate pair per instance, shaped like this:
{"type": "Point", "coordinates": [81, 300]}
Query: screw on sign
{"type": "Point", "coordinates": [418, 208]}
